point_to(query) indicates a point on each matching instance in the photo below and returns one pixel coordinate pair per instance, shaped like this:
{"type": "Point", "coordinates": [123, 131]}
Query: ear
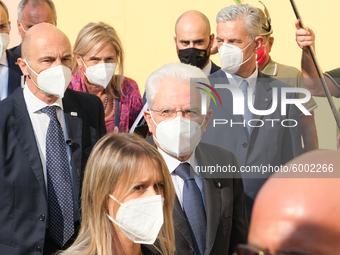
{"type": "Point", "coordinates": [23, 66]}
{"type": "Point", "coordinates": [270, 43]}
{"type": "Point", "coordinates": [175, 39]}
{"type": "Point", "coordinates": [147, 116]}
{"type": "Point", "coordinates": [9, 23]}
{"type": "Point", "coordinates": [207, 119]}
{"type": "Point", "coordinates": [19, 28]}
{"type": "Point", "coordinates": [213, 45]}
{"type": "Point", "coordinates": [212, 40]}
{"type": "Point", "coordinates": [79, 63]}
{"type": "Point", "coordinates": [258, 41]}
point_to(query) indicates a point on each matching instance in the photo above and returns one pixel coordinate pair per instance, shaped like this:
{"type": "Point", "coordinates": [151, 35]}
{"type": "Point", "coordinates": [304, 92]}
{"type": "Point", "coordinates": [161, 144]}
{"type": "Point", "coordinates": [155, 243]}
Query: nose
{"type": "Point", "coordinates": [180, 113]}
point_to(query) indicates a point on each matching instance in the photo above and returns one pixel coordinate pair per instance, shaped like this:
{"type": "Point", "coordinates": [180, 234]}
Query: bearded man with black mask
{"type": "Point", "coordinates": [194, 40]}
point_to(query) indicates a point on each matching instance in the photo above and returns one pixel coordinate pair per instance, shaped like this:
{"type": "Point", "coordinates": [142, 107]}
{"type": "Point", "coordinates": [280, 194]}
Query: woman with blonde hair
{"type": "Point", "coordinates": [127, 195]}
{"type": "Point", "coordinates": [99, 70]}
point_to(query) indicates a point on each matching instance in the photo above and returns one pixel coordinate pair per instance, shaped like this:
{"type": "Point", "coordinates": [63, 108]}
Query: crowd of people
{"type": "Point", "coordinates": [74, 181]}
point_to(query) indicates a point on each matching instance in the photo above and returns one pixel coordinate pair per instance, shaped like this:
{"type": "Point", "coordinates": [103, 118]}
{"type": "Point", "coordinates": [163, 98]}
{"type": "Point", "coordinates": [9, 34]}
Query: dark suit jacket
{"type": "Point", "coordinates": [267, 145]}
{"type": "Point", "coordinates": [23, 199]}
{"type": "Point", "coordinates": [16, 51]}
{"type": "Point", "coordinates": [214, 68]}
{"type": "Point", "coordinates": [227, 223]}
{"type": "Point", "coordinates": [14, 72]}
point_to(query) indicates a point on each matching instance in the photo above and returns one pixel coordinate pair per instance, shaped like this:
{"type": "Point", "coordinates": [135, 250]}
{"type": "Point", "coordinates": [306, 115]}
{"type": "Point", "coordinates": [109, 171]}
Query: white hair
{"type": "Point", "coordinates": [22, 4]}
{"type": "Point", "coordinates": [185, 72]}
{"type": "Point", "coordinates": [245, 12]}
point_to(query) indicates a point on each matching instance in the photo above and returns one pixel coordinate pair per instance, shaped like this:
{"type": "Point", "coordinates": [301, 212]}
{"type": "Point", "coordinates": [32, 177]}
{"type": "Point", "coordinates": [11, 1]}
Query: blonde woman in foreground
{"type": "Point", "coordinates": [127, 195]}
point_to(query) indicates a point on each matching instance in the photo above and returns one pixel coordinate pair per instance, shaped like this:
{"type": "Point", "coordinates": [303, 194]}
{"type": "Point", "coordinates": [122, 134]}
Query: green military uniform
{"type": "Point", "coordinates": [289, 75]}
{"type": "Point", "coordinates": [335, 76]}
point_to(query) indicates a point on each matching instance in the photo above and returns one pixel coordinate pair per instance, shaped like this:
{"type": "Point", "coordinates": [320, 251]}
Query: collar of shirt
{"type": "Point", "coordinates": [3, 59]}
{"type": "Point", "coordinates": [271, 68]}
{"type": "Point", "coordinates": [236, 80]}
{"type": "Point", "coordinates": [173, 163]}
{"type": "Point", "coordinates": [34, 104]}
{"type": "Point", "coordinates": [206, 70]}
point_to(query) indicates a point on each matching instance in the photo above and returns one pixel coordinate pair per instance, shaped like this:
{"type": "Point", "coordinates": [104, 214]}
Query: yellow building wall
{"type": "Point", "coordinates": [146, 28]}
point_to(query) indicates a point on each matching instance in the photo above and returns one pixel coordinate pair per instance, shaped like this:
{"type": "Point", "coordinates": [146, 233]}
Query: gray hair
{"type": "Point", "coordinates": [5, 8]}
{"type": "Point", "coordinates": [245, 12]}
{"type": "Point", "coordinates": [35, 3]}
{"type": "Point", "coordinates": [182, 71]}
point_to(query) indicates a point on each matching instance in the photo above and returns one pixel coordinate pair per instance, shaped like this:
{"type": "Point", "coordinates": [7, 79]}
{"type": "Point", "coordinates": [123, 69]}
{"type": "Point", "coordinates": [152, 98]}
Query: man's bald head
{"type": "Point", "coordinates": [44, 47]}
{"type": "Point", "coordinates": [192, 20]}
{"type": "Point", "coordinates": [299, 215]}
{"type": "Point", "coordinates": [42, 35]}
{"type": "Point", "coordinates": [193, 40]}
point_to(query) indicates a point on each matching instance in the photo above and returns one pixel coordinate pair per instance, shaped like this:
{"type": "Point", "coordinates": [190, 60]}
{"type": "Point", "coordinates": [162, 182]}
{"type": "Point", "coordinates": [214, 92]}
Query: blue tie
{"type": "Point", "coordinates": [59, 187]}
{"type": "Point", "coordinates": [193, 207]}
{"type": "Point", "coordinates": [247, 114]}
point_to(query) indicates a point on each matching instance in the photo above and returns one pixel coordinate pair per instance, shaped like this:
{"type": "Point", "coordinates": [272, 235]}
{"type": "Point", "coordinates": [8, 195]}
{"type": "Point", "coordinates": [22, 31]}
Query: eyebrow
{"type": "Point", "coordinates": [231, 40]}
{"type": "Point", "coordinates": [68, 56]}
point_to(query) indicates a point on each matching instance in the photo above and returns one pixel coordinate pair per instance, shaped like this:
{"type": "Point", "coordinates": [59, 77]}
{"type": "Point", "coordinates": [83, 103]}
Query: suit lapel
{"type": "Point", "coordinates": [181, 223]}
{"type": "Point", "coordinates": [23, 130]}
{"type": "Point", "coordinates": [212, 198]}
{"type": "Point", "coordinates": [74, 124]}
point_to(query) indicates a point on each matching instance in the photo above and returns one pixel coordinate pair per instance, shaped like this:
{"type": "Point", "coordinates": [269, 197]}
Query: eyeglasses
{"type": "Point", "coordinates": [169, 114]}
{"type": "Point", "coordinates": [245, 249]}
{"type": "Point", "coordinates": [4, 27]}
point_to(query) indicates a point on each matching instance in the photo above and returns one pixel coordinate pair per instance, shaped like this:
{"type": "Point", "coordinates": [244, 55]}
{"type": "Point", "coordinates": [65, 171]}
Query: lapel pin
{"type": "Point", "coordinates": [74, 114]}
{"type": "Point", "coordinates": [218, 185]}
{"type": "Point", "coordinates": [266, 100]}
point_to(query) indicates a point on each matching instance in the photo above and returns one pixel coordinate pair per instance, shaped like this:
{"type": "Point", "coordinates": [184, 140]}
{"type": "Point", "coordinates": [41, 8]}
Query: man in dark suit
{"type": "Point", "coordinates": [262, 139]}
{"type": "Point", "coordinates": [30, 13]}
{"type": "Point", "coordinates": [46, 137]}
{"type": "Point", "coordinates": [10, 73]}
{"type": "Point", "coordinates": [194, 41]}
{"type": "Point", "coordinates": [209, 213]}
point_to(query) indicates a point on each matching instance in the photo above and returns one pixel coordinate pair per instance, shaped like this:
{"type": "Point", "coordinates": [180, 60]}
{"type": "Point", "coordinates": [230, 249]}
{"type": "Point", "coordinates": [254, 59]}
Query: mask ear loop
{"type": "Point", "coordinates": [31, 78]}
{"type": "Point", "coordinates": [23, 28]}
{"type": "Point", "coordinates": [110, 218]}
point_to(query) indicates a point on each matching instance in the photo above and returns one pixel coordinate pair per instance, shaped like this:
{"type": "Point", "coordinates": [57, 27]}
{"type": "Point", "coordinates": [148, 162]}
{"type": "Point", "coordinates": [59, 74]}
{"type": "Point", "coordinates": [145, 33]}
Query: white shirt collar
{"type": "Point", "coordinates": [173, 163]}
{"type": "Point", "coordinates": [236, 80]}
{"type": "Point", "coordinates": [3, 59]}
{"type": "Point", "coordinates": [34, 104]}
{"type": "Point", "coordinates": [206, 70]}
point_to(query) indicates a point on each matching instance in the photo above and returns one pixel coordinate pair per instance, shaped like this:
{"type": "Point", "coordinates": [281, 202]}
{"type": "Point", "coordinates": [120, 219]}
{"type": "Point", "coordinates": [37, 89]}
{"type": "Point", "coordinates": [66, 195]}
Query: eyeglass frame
{"type": "Point", "coordinates": [174, 113]}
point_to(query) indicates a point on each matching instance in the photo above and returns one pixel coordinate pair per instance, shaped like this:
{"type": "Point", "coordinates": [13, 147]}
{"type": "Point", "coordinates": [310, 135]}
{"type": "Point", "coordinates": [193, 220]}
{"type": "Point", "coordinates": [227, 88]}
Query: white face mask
{"type": "Point", "coordinates": [4, 42]}
{"type": "Point", "coordinates": [53, 81]}
{"type": "Point", "coordinates": [178, 137]}
{"type": "Point", "coordinates": [231, 57]}
{"type": "Point", "coordinates": [100, 74]}
{"type": "Point", "coordinates": [140, 219]}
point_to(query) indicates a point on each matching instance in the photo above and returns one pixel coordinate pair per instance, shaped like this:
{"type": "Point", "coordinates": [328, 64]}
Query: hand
{"type": "Point", "coordinates": [115, 130]}
{"type": "Point", "coordinates": [304, 37]}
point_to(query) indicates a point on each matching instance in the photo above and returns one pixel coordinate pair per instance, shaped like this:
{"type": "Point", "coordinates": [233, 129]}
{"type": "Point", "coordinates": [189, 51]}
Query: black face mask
{"type": "Point", "coordinates": [193, 56]}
